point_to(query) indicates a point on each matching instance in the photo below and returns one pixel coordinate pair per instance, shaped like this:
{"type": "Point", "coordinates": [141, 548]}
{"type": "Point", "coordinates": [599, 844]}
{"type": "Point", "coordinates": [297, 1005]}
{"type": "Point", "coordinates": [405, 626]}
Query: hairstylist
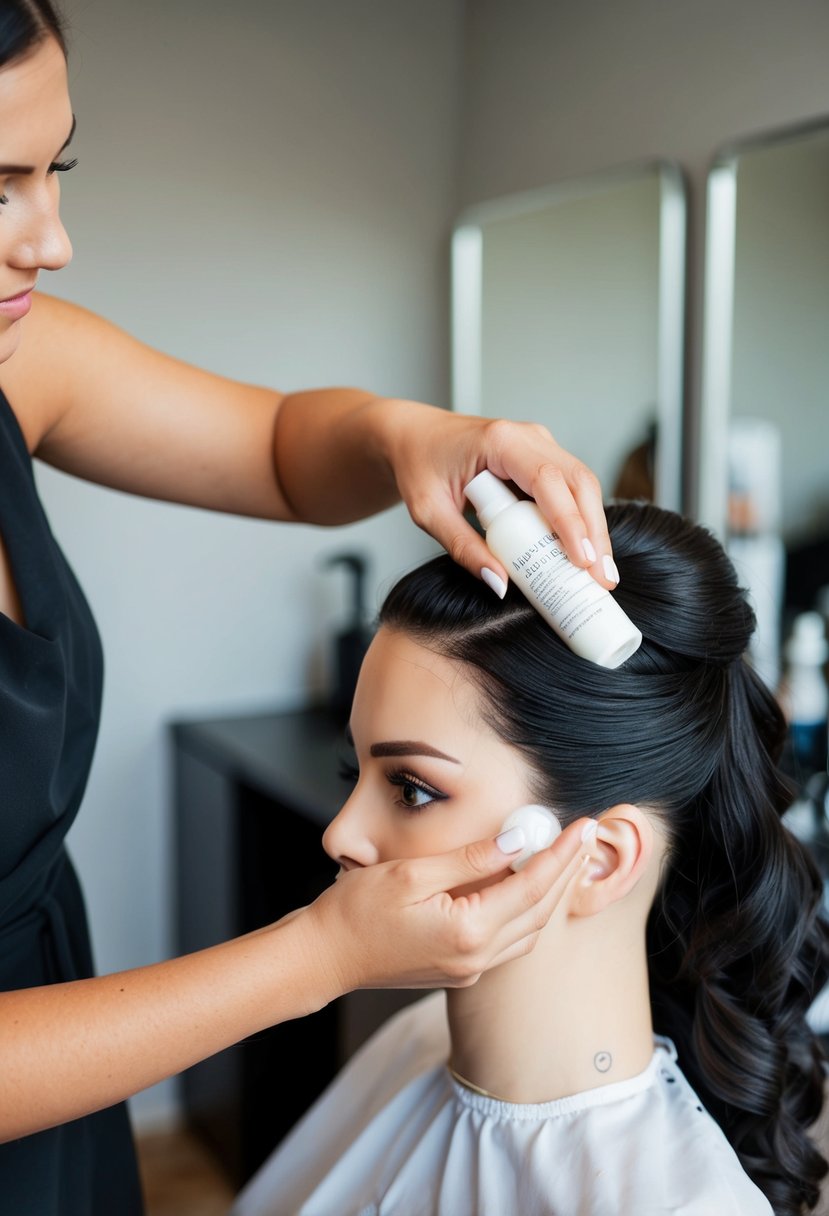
{"type": "Point", "coordinates": [80, 394]}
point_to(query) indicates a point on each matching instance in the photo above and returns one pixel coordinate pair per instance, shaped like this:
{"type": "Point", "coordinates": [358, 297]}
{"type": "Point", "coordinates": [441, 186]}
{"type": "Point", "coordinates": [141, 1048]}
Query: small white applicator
{"type": "Point", "coordinates": [540, 827]}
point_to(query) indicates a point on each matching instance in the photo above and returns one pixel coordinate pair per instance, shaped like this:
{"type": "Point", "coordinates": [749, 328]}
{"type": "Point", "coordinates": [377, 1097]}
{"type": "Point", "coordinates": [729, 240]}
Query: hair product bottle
{"type": "Point", "coordinates": [582, 612]}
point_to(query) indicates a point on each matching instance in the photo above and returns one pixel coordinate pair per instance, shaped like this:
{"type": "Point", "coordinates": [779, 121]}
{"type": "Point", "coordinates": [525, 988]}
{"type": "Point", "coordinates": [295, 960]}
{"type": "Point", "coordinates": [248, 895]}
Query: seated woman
{"type": "Point", "coordinates": [652, 1053]}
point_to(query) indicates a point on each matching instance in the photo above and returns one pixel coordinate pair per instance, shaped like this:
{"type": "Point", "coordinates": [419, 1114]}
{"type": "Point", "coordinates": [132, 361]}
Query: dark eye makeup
{"type": "Point", "coordinates": [410, 786]}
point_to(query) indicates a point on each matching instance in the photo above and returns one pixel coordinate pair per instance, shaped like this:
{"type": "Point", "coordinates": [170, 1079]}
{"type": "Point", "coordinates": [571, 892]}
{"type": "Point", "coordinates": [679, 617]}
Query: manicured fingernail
{"type": "Point", "coordinates": [589, 551]}
{"type": "Point", "coordinates": [511, 841]}
{"type": "Point", "coordinates": [589, 831]}
{"type": "Point", "coordinates": [495, 583]}
{"type": "Point", "coordinates": [610, 571]}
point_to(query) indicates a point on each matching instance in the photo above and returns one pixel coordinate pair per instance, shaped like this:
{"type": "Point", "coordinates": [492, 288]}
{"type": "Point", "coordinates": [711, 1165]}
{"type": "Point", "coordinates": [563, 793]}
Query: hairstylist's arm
{"type": "Point", "coordinates": [72, 1048]}
{"type": "Point", "coordinates": [101, 405]}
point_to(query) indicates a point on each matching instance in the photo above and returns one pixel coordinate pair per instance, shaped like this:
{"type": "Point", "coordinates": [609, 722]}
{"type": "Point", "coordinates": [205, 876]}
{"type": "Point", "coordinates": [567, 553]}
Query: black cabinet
{"type": "Point", "coordinates": [253, 795]}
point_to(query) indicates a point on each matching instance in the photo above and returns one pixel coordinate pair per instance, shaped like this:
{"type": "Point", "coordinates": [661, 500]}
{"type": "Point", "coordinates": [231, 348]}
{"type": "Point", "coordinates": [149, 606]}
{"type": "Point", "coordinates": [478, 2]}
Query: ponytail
{"type": "Point", "coordinates": [738, 950]}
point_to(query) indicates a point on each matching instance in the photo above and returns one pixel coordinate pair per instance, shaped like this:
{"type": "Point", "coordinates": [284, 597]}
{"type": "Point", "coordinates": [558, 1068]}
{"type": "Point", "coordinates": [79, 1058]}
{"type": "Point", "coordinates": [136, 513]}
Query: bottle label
{"type": "Point", "coordinates": [567, 593]}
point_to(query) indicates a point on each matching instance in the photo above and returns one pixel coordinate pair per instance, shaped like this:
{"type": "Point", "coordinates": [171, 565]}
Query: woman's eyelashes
{"type": "Point", "coordinates": [415, 793]}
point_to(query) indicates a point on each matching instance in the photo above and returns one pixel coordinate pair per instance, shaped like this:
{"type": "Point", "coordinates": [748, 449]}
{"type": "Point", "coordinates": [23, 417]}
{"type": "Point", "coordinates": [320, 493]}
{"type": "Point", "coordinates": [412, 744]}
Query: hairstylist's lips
{"type": "Point", "coordinates": [17, 306]}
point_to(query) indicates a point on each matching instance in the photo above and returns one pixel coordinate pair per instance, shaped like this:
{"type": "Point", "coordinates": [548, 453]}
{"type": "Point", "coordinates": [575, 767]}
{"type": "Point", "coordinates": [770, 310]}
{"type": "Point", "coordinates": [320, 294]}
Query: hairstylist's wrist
{"type": "Point", "coordinates": [306, 963]}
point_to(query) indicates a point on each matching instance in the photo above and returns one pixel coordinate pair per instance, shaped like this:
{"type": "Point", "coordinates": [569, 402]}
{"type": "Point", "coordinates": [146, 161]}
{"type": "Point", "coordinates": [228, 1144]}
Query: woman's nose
{"type": "Point", "coordinates": [348, 839]}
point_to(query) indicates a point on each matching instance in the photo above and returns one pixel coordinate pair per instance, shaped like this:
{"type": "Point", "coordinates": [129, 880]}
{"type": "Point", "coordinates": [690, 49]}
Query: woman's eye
{"type": "Point", "coordinates": [414, 793]}
{"type": "Point", "coordinates": [410, 795]}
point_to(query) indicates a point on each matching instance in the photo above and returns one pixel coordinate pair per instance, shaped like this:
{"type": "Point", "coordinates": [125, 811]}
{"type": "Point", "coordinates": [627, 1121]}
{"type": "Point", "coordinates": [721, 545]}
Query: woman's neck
{"type": "Point", "coordinates": [572, 1015]}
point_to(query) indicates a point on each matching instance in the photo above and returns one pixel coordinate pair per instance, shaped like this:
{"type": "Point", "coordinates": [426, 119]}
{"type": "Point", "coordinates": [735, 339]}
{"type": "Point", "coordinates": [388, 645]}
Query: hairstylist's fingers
{"type": "Point", "coordinates": [577, 515]}
{"type": "Point", "coordinates": [551, 878]}
{"type": "Point", "coordinates": [567, 492]}
{"type": "Point", "coordinates": [468, 548]}
{"type": "Point", "coordinates": [504, 919]}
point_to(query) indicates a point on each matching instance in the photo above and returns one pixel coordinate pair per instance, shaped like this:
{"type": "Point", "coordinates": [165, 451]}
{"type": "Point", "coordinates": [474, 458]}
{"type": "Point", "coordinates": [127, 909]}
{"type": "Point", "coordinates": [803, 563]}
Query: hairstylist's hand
{"type": "Point", "coordinates": [395, 925]}
{"type": "Point", "coordinates": [434, 453]}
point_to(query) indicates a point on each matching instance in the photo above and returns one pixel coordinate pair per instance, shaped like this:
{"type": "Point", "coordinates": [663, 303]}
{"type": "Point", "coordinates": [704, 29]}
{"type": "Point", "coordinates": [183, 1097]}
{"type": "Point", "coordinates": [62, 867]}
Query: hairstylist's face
{"type": "Point", "coordinates": [35, 126]}
{"type": "Point", "coordinates": [432, 774]}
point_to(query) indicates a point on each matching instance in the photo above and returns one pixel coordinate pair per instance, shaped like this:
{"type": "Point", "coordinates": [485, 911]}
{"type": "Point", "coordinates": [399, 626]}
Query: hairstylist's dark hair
{"type": "Point", "coordinates": [738, 946]}
{"type": "Point", "coordinates": [24, 24]}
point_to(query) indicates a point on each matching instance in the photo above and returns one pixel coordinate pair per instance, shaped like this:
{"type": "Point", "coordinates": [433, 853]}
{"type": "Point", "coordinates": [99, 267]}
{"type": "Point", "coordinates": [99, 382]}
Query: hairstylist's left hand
{"type": "Point", "coordinates": [396, 925]}
{"type": "Point", "coordinates": [434, 455]}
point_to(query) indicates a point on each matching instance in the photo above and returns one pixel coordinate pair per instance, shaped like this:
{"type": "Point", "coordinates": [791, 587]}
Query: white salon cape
{"type": "Point", "coordinates": [395, 1135]}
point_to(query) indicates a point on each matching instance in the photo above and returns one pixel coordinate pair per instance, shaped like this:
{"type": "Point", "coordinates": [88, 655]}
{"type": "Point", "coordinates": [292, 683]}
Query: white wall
{"type": "Point", "coordinates": [558, 90]}
{"type": "Point", "coordinates": [264, 189]}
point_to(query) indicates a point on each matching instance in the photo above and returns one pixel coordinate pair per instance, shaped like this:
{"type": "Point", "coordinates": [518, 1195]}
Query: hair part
{"type": "Point", "coordinates": [738, 946]}
{"type": "Point", "coordinates": [24, 25]}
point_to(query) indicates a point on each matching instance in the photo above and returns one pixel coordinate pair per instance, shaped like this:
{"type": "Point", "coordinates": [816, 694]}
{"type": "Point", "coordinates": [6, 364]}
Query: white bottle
{"type": "Point", "coordinates": [805, 694]}
{"type": "Point", "coordinates": [582, 612]}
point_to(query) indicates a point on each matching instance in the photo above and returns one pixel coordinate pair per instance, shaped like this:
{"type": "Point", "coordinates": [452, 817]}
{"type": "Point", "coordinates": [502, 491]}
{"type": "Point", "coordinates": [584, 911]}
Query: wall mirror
{"type": "Point", "coordinates": [568, 309]}
{"type": "Point", "coordinates": [763, 469]}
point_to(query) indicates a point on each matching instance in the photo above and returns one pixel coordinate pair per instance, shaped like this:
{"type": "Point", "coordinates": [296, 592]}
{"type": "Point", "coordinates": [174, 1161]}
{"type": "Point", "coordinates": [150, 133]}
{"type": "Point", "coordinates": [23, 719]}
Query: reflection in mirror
{"type": "Point", "coordinates": [567, 309]}
{"type": "Point", "coordinates": [763, 481]}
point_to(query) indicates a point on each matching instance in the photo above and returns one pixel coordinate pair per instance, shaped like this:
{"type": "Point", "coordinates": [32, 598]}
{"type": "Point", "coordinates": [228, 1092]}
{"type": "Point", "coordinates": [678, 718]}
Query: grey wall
{"type": "Point", "coordinates": [264, 189]}
{"type": "Point", "coordinates": [556, 89]}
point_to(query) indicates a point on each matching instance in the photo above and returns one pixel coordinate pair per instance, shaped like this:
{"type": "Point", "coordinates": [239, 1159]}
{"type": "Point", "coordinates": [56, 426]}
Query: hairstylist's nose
{"type": "Point", "coordinates": [347, 839]}
{"type": "Point", "coordinates": [44, 244]}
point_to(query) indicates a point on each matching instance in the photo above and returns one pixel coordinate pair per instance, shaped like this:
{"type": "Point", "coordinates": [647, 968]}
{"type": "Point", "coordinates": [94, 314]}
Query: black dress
{"type": "Point", "coordinates": [50, 697]}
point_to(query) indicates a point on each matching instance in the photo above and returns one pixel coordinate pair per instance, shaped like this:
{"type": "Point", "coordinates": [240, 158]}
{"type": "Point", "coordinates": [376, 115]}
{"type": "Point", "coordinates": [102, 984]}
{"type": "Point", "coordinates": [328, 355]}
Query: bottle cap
{"type": "Point", "coordinates": [807, 642]}
{"type": "Point", "coordinates": [489, 496]}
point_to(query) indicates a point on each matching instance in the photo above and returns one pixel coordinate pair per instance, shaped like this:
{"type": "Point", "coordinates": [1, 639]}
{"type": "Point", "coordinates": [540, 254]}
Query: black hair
{"type": "Point", "coordinates": [24, 25]}
{"type": "Point", "coordinates": [738, 945]}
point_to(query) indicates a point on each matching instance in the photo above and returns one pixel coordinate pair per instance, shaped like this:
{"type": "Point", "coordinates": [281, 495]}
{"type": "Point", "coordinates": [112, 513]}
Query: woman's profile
{"type": "Point", "coordinates": [652, 1054]}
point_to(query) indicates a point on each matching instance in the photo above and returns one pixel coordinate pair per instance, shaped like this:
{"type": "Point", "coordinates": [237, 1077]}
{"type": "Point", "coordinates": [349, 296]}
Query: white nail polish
{"type": "Point", "coordinates": [589, 551]}
{"type": "Point", "coordinates": [512, 840]}
{"type": "Point", "coordinates": [495, 583]}
{"type": "Point", "coordinates": [610, 571]}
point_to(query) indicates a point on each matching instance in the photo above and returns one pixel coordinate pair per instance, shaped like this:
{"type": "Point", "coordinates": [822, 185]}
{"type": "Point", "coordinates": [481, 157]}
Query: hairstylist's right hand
{"type": "Point", "coordinates": [396, 925]}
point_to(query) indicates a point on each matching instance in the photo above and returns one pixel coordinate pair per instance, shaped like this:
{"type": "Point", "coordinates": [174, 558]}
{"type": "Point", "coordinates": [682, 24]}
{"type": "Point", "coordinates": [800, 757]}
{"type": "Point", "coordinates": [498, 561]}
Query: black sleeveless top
{"type": "Point", "coordinates": [51, 674]}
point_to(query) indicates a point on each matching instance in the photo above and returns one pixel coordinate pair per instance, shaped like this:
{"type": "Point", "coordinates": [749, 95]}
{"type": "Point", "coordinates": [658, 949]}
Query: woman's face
{"type": "Point", "coordinates": [432, 774]}
{"type": "Point", "coordinates": [35, 126]}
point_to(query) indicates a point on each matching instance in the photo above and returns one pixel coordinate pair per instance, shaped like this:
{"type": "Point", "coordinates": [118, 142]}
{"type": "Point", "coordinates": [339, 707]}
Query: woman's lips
{"type": "Point", "coordinates": [17, 306]}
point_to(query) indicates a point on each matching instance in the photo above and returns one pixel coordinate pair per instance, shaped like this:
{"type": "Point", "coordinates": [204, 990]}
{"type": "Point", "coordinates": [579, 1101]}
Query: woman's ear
{"type": "Point", "coordinates": [619, 856]}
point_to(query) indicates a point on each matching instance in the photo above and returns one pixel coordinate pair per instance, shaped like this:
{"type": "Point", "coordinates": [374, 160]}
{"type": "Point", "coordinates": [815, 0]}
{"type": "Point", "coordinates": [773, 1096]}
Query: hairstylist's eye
{"type": "Point", "coordinates": [62, 166]}
{"type": "Point", "coordinates": [414, 793]}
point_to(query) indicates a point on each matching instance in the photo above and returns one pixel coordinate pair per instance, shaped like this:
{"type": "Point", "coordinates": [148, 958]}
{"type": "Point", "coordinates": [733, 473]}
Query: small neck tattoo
{"type": "Point", "coordinates": [603, 1061]}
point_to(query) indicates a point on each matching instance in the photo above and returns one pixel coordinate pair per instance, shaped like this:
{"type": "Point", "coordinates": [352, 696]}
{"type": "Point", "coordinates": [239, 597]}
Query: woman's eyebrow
{"type": "Point", "coordinates": [409, 747]}
{"type": "Point", "coordinates": [27, 170]}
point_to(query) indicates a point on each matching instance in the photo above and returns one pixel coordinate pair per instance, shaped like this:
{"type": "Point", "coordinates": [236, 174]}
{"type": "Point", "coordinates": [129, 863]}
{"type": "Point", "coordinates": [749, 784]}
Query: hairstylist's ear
{"type": "Point", "coordinates": [619, 858]}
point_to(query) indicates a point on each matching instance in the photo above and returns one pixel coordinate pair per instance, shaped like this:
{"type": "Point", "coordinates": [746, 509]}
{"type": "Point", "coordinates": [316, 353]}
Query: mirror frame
{"type": "Point", "coordinates": [718, 318]}
{"type": "Point", "coordinates": [466, 307]}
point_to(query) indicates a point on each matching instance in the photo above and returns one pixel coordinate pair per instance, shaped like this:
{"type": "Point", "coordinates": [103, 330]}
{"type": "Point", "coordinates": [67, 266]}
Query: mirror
{"type": "Point", "coordinates": [568, 309]}
{"type": "Point", "coordinates": [763, 469]}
